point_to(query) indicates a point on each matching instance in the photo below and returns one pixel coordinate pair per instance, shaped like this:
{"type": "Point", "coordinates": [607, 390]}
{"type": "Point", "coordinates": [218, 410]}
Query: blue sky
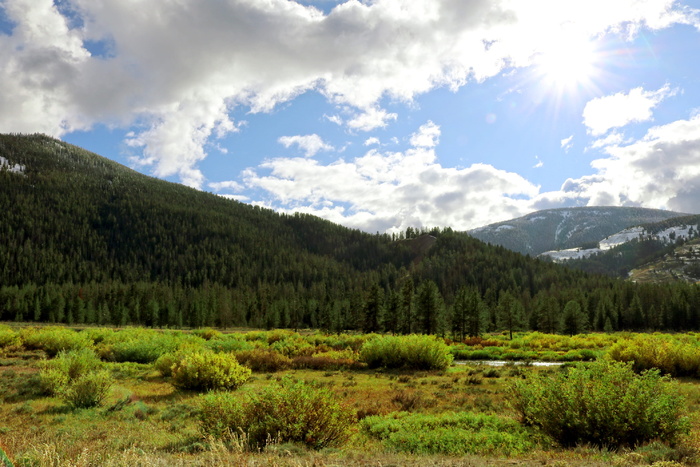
{"type": "Point", "coordinates": [377, 115]}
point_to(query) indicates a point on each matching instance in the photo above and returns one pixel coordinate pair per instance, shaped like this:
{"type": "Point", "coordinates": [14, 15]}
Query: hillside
{"type": "Point", "coordinates": [657, 252]}
{"type": "Point", "coordinates": [86, 240]}
{"type": "Point", "coordinates": [560, 229]}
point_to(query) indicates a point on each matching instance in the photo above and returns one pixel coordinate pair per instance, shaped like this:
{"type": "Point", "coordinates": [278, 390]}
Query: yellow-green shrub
{"type": "Point", "coordinates": [292, 411]}
{"type": "Point", "coordinates": [417, 352]}
{"type": "Point", "coordinates": [53, 340]}
{"type": "Point", "coordinates": [208, 370]}
{"type": "Point", "coordinates": [670, 355]}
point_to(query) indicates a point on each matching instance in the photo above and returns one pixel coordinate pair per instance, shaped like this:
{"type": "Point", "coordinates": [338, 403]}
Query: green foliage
{"type": "Point", "coordinates": [8, 337]}
{"type": "Point", "coordinates": [165, 363]}
{"type": "Point", "coordinates": [263, 360]}
{"type": "Point", "coordinates": [204, 371]}
{"type": "Point", "coordinates": [53, 340]}
{"type": "Point", "coordinates": [292, 411]}
{"type": "Point", "coordinates": [417, 352]}
{"type": "Point", "coordinates": [77, 377]}
{"type": "Point", "coordinates": [602, 403]}
{"type": "Point", "coordinates": [88, 390]}
{"type": "Point", "coordinates": [453, 434]}
{"type": "Point", "coordinates": [677, 356]}
{"type": "Point", "coordinates": [69, 366]}
{"type": "Point", "coordinates": [143, 345]}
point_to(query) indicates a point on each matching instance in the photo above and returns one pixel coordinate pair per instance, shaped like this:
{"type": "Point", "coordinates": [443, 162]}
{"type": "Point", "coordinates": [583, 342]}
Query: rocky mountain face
{"type": "Point", "coordinates": [560, 229]}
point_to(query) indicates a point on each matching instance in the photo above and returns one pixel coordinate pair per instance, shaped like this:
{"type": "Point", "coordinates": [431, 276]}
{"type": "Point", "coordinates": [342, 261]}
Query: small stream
{"type": "Point", "coordinates": [504, 363]}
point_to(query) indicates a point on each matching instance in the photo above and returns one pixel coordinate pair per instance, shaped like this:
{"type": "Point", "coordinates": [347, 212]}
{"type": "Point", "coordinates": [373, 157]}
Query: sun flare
{"type": "Point", "coordinates": [567, 62]}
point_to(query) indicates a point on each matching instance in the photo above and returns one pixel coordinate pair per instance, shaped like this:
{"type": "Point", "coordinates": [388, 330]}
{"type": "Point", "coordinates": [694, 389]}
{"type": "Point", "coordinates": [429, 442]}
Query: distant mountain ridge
{"type": "Point", "coordinates": [564, 228]}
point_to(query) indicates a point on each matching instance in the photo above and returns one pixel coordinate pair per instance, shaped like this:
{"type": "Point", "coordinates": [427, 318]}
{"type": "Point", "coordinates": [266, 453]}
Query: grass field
{"type": "Point", "coordinates": [461, 415]}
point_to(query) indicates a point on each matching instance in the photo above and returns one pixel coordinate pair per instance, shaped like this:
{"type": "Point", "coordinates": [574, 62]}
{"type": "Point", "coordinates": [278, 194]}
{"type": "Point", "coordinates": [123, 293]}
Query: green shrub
{"type": "Point", "coordinates": [143, 345]}
{"type": "Point", "coordinates": [292, 411]}
{"type": "Point", "coordinates": [233, 343]}
{"type": "Point", "coordinates": [68, 366]}
{"type": "Point", "coordinates": [76, 376]}
{"type": "Point", "coordinates": [602, 403]}
{"type": "Point", "coordinates": [8, 337]}
{"type": "Point", "coordinates": [454, 434]}
{"type": "Point", "coordinates": [417, 352]}
{"type": "Point", "coordinates": [165, 363]}
{"type": "Point", "coordinates": [207, 333]}
{"type": "Point", "coordinates": [292, 346]}
{"type": "Point", "coordinates": [208, 370]}
{"type": "Point", "coordinates": [53, 340]}
{"type": "Point", "coordinates": [672, 357]}
{"type": "Point", "coordinates": [88, 390]}
{"type": "Point", "coordinates": [263, 360]}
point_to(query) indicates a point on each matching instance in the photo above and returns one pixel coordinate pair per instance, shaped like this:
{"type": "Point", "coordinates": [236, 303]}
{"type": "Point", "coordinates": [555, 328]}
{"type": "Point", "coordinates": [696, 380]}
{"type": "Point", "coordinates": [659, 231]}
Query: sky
{"type": "Point", "coordinates": [374, 114]}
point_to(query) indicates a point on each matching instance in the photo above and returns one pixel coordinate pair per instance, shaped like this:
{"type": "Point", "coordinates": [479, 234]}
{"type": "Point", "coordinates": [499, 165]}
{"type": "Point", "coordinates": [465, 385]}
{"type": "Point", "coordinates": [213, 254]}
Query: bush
{"type": "Point", "coordinates": [77, 378]}
{"type": "Point", "coordinates": [416, 352]}
{"type": "Point", "coordinates": [8, 338]}
{"type": "Point", "coordinates": [207, 333]}
{"type": "Point", "coordinates": [208, 370]}
{"type": "Point", "coordinates": [671, 357]}
{"type": "Point", "coordinates": [603, 403]}
{"type": "Point", "coordinates": [292, 411]}
{"type": "Point", "coordinates": [89, 390]}
{"type": "Point", "coordinates": [454, 434]}
{"type": "Point", "coordinates": [167, 361]}
{"type": "Point", "coordinates": [67, 367]}
{"type": "Point", "coordinates": [263, 360]}
{"type": "Point", "coordinates": [143, 345]}
{"type": "Point", "coordinates": [53, 340]}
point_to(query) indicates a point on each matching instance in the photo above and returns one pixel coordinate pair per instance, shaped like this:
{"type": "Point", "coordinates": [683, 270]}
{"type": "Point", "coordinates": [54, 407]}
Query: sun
{"type": "Point", "coordinates": [567, 62]}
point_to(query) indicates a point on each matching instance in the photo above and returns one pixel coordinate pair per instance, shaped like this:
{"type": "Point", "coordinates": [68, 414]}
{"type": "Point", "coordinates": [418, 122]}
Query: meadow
{"type": "Point", "coordinates": [137, 396]}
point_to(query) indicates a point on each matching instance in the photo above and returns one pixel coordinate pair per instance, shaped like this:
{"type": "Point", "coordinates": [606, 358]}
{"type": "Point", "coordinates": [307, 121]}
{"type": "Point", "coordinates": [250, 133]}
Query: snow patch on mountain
{"type": "Point", "coordinates": [667, 236]}
{"type": "Point", "coordinates": [7, 165]}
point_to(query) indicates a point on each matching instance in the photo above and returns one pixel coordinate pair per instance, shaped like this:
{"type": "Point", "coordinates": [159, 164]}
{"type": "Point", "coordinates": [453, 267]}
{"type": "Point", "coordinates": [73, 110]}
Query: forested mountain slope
{"type": "Point", "coordinates": [559, 229]}
{"type": "Point", "coordinates": [86, 240]}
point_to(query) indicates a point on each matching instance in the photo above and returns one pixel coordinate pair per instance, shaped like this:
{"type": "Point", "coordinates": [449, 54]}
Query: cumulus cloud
{"type": "Point", "coordinates": [660, 170]}
{"type": "Point", "coordinates": [310, 144]}
{"type": "Point", "coordinates": [382, 191]}
{"type": "Point", "coordinates": [428, 136]}
{"type": "Point", "coordinates": [371, 119]}
{"type": "Point", "coordinates": [177, 69]}
{"type": "Point", "coordinates": [615, 111]}
{"type": "Point", "coordinates": [226, 185]}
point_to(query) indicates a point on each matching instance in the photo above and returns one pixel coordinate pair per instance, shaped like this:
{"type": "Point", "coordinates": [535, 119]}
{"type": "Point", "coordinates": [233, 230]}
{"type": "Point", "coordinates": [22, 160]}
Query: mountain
{"type": "Point", "coordinates": [560, 229]}
{"type": "Point", "coordinates": [658, 252]}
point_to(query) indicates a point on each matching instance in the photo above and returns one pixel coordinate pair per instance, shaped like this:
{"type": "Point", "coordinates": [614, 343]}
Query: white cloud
{"type": "Point", "coordinates": [310, 144]}
{"type": "Point", "coordinates": [615, 111]}
{"type": "Point", "coordinates": [660, 170]}
{"type": "Point", "coordinates": [226, 185]}
{"type": "Point", "coordinates": [427, 136]}
{"type": "Point", "coordinates": [567, 143]}
{"type": "Point", "coordinates": [372, 141]}
{"type": "Point", "coordinates": [538, 164]}
{"type": "Point", "coordinates": [371, 119]}
{"type": "Point", "coordinates": [382, 191]}
{"type": "Point", "coordinates": [177, 69]}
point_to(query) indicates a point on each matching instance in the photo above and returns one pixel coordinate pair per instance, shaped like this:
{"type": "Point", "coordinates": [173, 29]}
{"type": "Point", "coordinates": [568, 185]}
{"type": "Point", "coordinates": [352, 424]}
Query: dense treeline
{"type": "Point", "coordinates": [85, 240]}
